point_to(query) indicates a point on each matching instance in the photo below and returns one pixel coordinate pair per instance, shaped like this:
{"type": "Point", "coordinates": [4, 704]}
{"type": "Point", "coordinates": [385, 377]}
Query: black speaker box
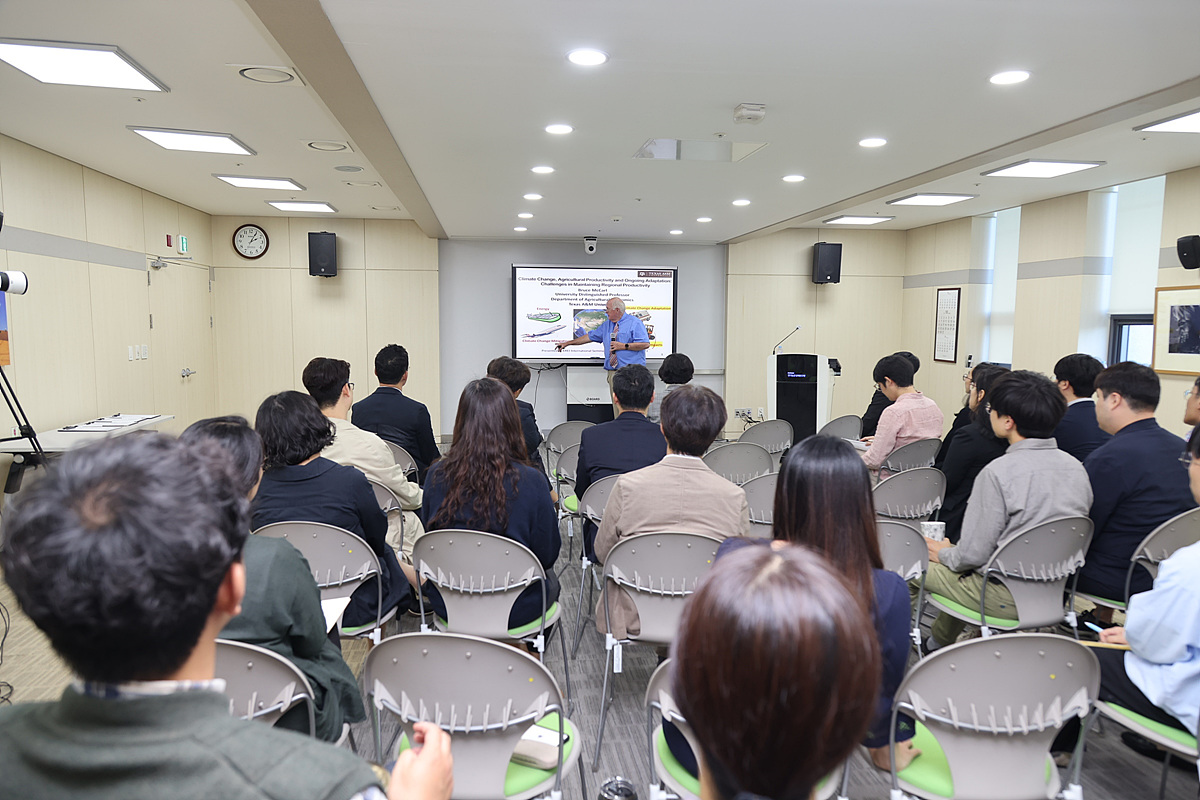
{"type": "Point", "coordinates": [1188, 248]}
{"type": "Point", "coordinates": [322, 254]}
{"type": "Point", "coordinates": [827, 262]}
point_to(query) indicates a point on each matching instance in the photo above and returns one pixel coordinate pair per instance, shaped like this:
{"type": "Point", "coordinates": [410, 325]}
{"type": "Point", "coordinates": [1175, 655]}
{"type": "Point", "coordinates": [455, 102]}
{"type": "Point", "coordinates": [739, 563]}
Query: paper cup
{"type": "Point", "coordinates": [934, 530]}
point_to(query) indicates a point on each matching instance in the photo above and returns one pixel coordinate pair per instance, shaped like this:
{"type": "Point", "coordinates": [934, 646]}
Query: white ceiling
{"type": "Point", "coordinates": [445, 101]}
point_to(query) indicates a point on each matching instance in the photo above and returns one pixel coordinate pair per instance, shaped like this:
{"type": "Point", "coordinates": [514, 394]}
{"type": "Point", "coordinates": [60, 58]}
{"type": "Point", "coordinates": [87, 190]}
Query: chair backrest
{"type": "Point", "coordinates": [479, 576]}
{"type": "Point", "coordinates": [659, 703]}
{"type": "Point", "coordinates": [995, 704]}
{"type": "Point", "coordinates": [774, 434]}
{"type": "Point", "coordinates": [340, 560]}
{"type": "Point", "coordinates": [388, 502]}
{"type": "Point", "coordinates": [903, 549]}
{"type": "Point", "coordinates": [659, 571]}
{"type": "Point", "coordinates": [403, 458]}
{"type": "Point", "coordinates": [740, 461]}
{"type": "Point", "coordinates": [262, 685]}
{"type": "Point", "coordinates": [595, 498]}
{"type": "Point", "coordinates": [1035, 564]}
{"type": "Point", "coordinates": [844, 427]}
{"type": "Point", "coordinates": [567, 467]}
{"type": "Point", "coordinates": [913, 455]}
{"type": "Point", "coordinates": [485, 694]}
{"type": "Point", "coordinates": [565, 434]}
{"type": "Point", "coordinates": [1162, 542]}
{"type": "Point", "coordinates": [910, 495]}
{"type": "Point", "coordinates": [760, 497]}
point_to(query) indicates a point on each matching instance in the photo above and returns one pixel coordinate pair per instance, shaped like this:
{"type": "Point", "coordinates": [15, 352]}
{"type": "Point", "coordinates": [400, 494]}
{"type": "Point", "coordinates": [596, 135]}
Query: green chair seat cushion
{"type": "Point", "coordinates": [527, 629]}
{"type": "Point", "coordinates": [571, 504]}
{"type": "Point", "coordinates": [971, 613]}
{"type": "Point", "coordinates": [520, 778]}
{"type": "Point", "coordinates": [671, 764]}
{"type": "Point", "coordinates": [1182, 738]}
{"type": "Point", "coordinates": [930, 771]}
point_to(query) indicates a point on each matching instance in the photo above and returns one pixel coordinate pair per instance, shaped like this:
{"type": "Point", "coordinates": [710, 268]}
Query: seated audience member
{"type": "Point", "coordinates": [773, 674]}
{"type": "Point", "coordinates": [961, 419]}
{"type": "Point", "coordinates": [328, 381]}
{"type": "Point", "coordinates": [1078, 433]}
{"type": "Point", "coordinates": [675, 371]}
{"type": "Point", "coordinates": [128, 556]}
{"type": "Point", "coordinates": [970, 450]}
{"type": "Point", "coordinates": [1159, 676]}
{"type": "Point", "coordinates": [880, 401]}
{"type": "Point", "coordinates": [1191, 409]}
{"type": "Point", "coordinates": [1032, 483]}
{"type": "Point", "coordinates": [910, 418]}
{"type": "Point", "coordinates": [629, 442]}
{"type": "Point", "coordinates": [485, 484]}
{"type": "Point", "coordinates": [389, 414]}
{"type": "Point", "coordinates": [679, 493]}
{"type": "Point", "coordinates": [515, 376]}
{"type": "Point", "coordinates": [282, 607]}
{"type": "Point", "coordinates": [823, 501]}
{"type": "Point", "coordinates": [300, 485]}
{"type": "Point", "coordinates": [1135, 477]}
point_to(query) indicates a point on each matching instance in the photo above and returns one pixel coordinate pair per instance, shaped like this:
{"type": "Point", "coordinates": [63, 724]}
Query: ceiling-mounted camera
{"type": "Point", "coordinates": [589, 245]}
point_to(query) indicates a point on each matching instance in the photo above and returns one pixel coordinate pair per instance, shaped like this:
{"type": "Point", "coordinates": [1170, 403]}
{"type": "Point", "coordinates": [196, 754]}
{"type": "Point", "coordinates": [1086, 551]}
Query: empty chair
{"type": "Point", "coordinates": [904, 552]}
{"type": "Point", "coordinates": [911, 456]}
{"type": "Point", "coordinates": [987, 711]}
{"type": "Point", "coordinates": [848, 426]}
{"type": "Point", "coordinates": [591, 506]}
{"type": "Point", "coordinates": [760, 497]}
{"type": "Point", "coordinates": [403, 458]}
{"type": "Point", "coordinates": [739, 461]}
{"type": "Point", "coordinates": [913, 495]}
{"type": "Point", "coordinates": [774, 434]}
{"type": "Point", "coordinates": [568, 502]}
{"type": "Point", "coordinates": [261, 685]}
{"type": "Point", "coordinates": [562, 436]}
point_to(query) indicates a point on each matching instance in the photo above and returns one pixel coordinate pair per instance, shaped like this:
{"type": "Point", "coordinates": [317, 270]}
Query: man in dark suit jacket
{"type": "Point", "coordinates": [629, 442]}
{"type": "Point", "coordinates": [390, 415]}
{"type": "Point", "coordinates": [1078, 433]}
{"type": "Point", "coordinates": [516, 376]}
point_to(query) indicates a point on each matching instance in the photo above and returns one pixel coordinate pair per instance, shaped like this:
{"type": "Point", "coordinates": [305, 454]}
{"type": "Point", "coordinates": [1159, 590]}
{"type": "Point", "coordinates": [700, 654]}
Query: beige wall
{"type": "Point", "coordinates": [1181, 217]}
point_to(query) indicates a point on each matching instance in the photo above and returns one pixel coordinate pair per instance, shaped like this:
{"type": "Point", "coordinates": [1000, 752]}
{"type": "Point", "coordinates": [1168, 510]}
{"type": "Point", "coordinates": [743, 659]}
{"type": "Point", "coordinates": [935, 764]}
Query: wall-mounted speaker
{"type": "Point", "coordinates": [1188, 248]}
{"type": "Point", "coordinates": [827, 262]}
{"type": "Point", "coordinates": [322, 254]}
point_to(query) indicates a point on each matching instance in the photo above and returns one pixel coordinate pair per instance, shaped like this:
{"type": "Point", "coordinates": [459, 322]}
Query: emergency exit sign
{"type": "Point", "coordinates": [183, 244]}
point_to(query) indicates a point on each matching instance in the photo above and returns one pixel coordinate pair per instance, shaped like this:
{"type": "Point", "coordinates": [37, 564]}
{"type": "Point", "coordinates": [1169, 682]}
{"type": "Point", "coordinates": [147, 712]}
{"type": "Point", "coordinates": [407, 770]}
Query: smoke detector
{"type": "Point", "coordinates": [751, 113]}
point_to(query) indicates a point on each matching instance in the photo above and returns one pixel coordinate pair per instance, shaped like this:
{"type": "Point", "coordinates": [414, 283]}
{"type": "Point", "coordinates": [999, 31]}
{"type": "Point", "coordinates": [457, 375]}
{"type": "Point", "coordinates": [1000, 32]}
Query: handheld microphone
{"type": "Point", "coordinates": [784, 339]}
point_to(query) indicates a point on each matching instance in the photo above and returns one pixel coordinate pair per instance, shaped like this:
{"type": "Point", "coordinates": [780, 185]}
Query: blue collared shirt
{"type": "Point", "coordinates": [629, 329]}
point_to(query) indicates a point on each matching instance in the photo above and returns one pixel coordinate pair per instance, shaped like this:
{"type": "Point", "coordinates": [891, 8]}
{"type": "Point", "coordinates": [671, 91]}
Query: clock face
{"type": "Point", "coordinates": [250, 241]}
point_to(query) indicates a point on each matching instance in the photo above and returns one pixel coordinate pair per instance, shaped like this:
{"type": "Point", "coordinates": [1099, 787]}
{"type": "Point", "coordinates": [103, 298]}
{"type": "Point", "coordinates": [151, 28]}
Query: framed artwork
{"type": "Point", "coordinates": [945, 326]}
{"type": "Point", "coordinates": [1177, 330]}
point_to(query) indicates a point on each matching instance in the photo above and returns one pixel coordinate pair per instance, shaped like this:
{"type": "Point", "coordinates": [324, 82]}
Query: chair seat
{"type": "Point", "coordinates": [1101, 601]}
{"type": "Point", "coordinates": [670, 771]}
{"type": "Point", "coordinates": [521, 631]}
{"type": "Point", "coordinates": [523, 781]}
{"type": "Point", "coordinates": [571, 504]}
{"type": "Point", "coordinates": [929, 773]}
{"type": "Point", "coordinates": [1182, 738]}
{"type": "Point", "coordinates": [946, 604]}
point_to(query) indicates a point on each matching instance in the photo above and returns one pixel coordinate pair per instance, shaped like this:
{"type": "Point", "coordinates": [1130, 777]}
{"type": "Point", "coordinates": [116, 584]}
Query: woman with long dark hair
{"type": "Point", "coordinates": [775, 670]}
{"type": "Point", "coordinates": [970, 449]}
{"type": "Point", "coordinates": [485, 484]}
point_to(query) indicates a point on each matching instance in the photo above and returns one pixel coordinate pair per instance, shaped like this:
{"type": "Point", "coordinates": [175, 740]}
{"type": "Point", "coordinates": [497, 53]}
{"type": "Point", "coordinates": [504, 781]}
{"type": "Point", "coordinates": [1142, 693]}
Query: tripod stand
{"type": "Point", "coordinates": [21, 461]}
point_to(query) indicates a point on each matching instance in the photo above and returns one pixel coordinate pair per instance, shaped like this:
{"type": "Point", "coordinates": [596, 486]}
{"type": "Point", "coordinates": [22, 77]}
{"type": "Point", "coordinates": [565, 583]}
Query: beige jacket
{"type": "Point", "coordinates": [676, 494]}
{"type": "Point", "coordinates": [370, 455]}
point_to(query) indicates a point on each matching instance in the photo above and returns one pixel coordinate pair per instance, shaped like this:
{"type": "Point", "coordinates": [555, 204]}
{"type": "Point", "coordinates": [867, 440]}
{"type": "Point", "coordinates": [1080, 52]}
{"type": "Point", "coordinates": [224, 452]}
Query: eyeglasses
{"type": "Point", "coordinates": [987, 408]}
{"type": "Point", "coordinates": [351, 385]}
{"type": "Point", "coordinates": [971, 386]}
{"type": "Point", "coordinates": [1185, 458]}
{"type": "Point", "coordinates": [966, 376]}
{"type": "Point", "coordinates": [1188, 394]}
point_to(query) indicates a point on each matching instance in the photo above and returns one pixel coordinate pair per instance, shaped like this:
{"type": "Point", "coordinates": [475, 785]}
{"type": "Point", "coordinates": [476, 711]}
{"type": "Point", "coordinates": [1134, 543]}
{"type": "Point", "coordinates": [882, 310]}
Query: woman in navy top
{"type": "Point", "coordinates": [485, 484]}
{"type": "Point", "coordinates": [299, 485]}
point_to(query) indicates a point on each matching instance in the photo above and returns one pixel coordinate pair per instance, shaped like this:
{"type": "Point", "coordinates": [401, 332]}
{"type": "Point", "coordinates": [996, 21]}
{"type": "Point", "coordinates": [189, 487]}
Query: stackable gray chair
{"type": "Point", "coordinates": [262, 685]}
{"type": "Point", "coordinates": [739, 461]}
{"type": "Point", "coordinates": [1034, 564]}
{"type": "Point", "coordinates": [568, 502]}
{"type": "Point", "coordinates": [479, 576]}
{"type": "Point", "coordinates": [341, 562]}
{"type": "Point", "coordinates": [389, 503]}
{"type": "Point", "coordinates": [911, 456]}
{"type": "Point", "coordinates": [562, 436]}
{"type": "Point", "coordinates": [486, 695]}
{"type": "Point", "coordinates": [1173, 742]}
{"type": "Point", "coordinates": [403, 458]}
{"type": "Point", "coordinates": [987, 711]}
{"type": "Point", "coordinates": [844, 427]}
{"type": "Point", "coordinates": [910, 496]}
{"type": "Point", "coordinates": [591, 507]}
{"type": "Point", "coordinates": [904, 552]}
{"type": "Point", "coordinates": [1177, 532]}
{"type": "Point", "coordinates": [774, 434]}
{"type": "Point", "coordinates": [760, 497]}
{"type": "Point", "coordinates": [658, 572]}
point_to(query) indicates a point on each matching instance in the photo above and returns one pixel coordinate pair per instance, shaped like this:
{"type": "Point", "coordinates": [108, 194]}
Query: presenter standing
{"type": "Point", "coordinates": [623, 335]}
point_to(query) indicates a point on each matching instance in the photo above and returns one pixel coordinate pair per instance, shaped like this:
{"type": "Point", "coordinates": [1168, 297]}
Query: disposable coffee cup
{"type": "Point", "coordinates": [934, 530]}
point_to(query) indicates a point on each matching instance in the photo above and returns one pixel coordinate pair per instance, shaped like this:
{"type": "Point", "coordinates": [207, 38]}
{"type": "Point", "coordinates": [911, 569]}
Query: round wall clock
{"type": "Point", "coordinates": [250, 241]}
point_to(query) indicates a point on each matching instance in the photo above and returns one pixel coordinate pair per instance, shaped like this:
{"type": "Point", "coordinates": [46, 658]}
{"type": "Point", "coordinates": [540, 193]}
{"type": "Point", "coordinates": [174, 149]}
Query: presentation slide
{"type": "Point", "coordinates": [553, 304]}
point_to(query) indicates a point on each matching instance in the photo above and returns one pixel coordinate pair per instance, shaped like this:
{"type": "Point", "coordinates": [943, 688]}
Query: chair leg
{"type": "Point", "coordinates": [1162, 783]}
{"type": "Point", "coordinates": [585, 569]}
{"type": "Point", "coordinates": [604, 701]}
{"type": "Point", "coordinates": [562, 642]}
{"type": "Point", "coordinates": [570, 539]}
{"type": "Point", "coordinates": [375, 729]}
{"type": "Point", "coordinates": [844, 789]}
{"type": "Point", "coordinates": [583, 781]}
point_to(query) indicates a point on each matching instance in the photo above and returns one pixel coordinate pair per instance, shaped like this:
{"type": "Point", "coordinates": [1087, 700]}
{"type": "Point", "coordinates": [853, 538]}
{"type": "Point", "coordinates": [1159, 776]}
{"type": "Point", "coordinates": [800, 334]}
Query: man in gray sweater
{"type": "Point", "coordinates": [1032, 483]}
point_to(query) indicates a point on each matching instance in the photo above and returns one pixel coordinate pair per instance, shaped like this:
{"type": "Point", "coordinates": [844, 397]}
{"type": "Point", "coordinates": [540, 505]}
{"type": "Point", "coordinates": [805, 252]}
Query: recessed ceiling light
{"type": "Point", "coordinates": [362, 184]}
{"type": "Point", "coordinates": [1184, 123]}
{"type": "Point", "coordinates": [1010, 77]}
{"type": "Point", "coordinates": [348, 168]}
{"type": "Point", "coordinates": [520, 229]}
{"type": "Point", "coordinates": [677, 232]}
{"type": "Point", "coordinates": [321, 208]}
{"type": "Point", "coordinates": [559, 128]}
{"type": "Point", "coordinates": [247, 182]}
{"type": "Point", "coordinates": [586, 57]}
{"type": "Point", "coordinates": [194, 141]}
{"type": "Point", "coordinates": [533, 196]}
{"type": "Point", "coordinates": [102, 65]}
{"type": "Point", "coordinates": [793, 178]}
{"type": "Point", "coordinates": [1032, 168]}
{"type": "Point", "coordinates": [266, 74]}
{"type": "Point", "coordinates": [930, 199]}
{"type": "Point", "coordinates": [525, 215]}
{"type": "Point", "coordinates": [703, 219]}
{"type": "Point", "coordinates": [845, 220]}
{"type": "Point", "coordinates": [543, 170]}
{"type": "Point", "coordinates": [328, 147]}
{"type": "Point", "coordinates": [385, 208]}
{"type": "Point", "coordinates": [872, 141]}
{"type": "Point", "coordinates": [741, 202]}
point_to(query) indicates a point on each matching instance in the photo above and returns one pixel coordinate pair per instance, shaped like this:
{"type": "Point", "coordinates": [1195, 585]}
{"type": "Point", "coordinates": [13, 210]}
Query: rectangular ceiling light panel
{"type": "Point", "coordinates": [1184, 123]}
{"type": "Point", "coordinates": [1033, 168]}
{"type": "Point", "coordinates": [321, 208]}
{"type": "Point", "coordinates": [195, 141]}
{"type": "Point", "coordinates": [101, 65]}
{"type": "Point", "coordinates": [844, 220]}
{"type": "Point", "coordinates": [931, 199]}
{"type": "Point", "coordinates": [248, 182]}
